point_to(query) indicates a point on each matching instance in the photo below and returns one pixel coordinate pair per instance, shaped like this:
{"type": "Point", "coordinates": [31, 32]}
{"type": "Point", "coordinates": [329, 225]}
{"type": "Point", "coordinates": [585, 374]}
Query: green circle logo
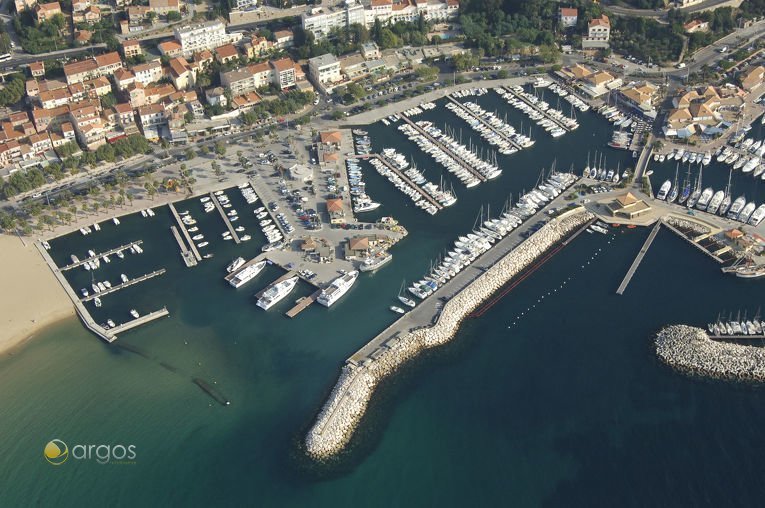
{"type": "Point", "coordinates": [56, 452]}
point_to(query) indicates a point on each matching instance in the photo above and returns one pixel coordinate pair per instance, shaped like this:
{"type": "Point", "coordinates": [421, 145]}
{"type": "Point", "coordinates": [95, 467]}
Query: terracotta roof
{"type": "Point", "coordinates": [50, 7]}
{"type": "Point", "coordinates": [601, 21]}
{"type": "Point", "coordinates": [108, 59]}
{"type": "Point", "coordinates": [123, 108]}
{"type": "Point", "coordinates": [569, 12]}
{"type": "Point", "coordinates": [334, 205]}
{"type": "Point", "coordinates": [627, 199]}
{"type": "Point", "coordinates": [226, 51]}
{"type": "Point", "coordinates": [359, 243]}
{"type": "Point", "coordinates": [258, 68]}
{"type": "Point", "coordinates": [169, 46]}
{"type": "Point", "coordinates": [130, 43]}
{"type": "Point", "coordinates": [283, 64]}
{"type": "Point", "coordinates": [283, 33]}
{"type": "Point", "coordinates": [331, 137]}
{"type": "Point", "coordinates": [179, 66]}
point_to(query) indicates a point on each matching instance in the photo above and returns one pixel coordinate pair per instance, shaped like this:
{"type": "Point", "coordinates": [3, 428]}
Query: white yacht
{"type": "Point", "coordinates": [337, 288]}
{"type": "Point", "coordinates": [247, 274]}
{"type": "Point", "coordinates": [235, 265]}
{"type": "Point", "coordinates": [276, 292]}
{"type": "Point", "coordinates": [664, 190]}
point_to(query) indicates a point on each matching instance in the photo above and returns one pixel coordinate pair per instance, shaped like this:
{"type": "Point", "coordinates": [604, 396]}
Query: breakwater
{"type": "Point", "coordinates": [690, 350]}
{"type": "Point", "coordinates": [347, 403]}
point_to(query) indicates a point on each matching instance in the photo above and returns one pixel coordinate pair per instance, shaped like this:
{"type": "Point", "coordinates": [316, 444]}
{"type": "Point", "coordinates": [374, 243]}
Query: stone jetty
{"type": "Point", "coordinates": [337, 420]}
{"type": "Point", "coordinates": [690, 350]}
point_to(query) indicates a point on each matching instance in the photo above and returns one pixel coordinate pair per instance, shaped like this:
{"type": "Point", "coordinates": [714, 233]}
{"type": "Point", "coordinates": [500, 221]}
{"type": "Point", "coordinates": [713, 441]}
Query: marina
{"type": "Point", "coordinates": [115, 250]}
{"type": "Point", "coordinates": [187, 255]}
{"type": "Point", "coordinates": [503, 131]}
{"type": "Point", "coordinates": [191, 245]}
{"type": "Point", "coordinates": [423, 195]}
{"type": "Point", "coordinates": [540, 111]}
{"type": "Point", "coordinates": [225, 218]}
{"type": "Point", "coordinates": [423, 132]}
{"type": "Point", "coordinates": [123, 285]}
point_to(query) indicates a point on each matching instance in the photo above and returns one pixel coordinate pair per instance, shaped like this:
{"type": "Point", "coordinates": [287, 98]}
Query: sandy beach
{"type": "Point", "coordinates": [31, 298]}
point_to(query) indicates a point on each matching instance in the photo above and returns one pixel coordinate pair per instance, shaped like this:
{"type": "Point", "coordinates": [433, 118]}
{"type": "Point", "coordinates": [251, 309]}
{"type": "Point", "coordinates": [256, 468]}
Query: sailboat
{"type": "Point", "coordinates": [403, 299]}
{"type": "Point", "coordinates": [675, 191]}
{"type": "Point", "coordinates": [586, 173]}
{"type": "Point", "coordinates": [726, 202]}
{"type": "Point", "coordinates": [686, 187]}
{"type": "Point", "coordinates": [696, 191]}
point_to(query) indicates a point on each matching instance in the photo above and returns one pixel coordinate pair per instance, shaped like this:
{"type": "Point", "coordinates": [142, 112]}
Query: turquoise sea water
{"type": "Point", "coordinates": [553, 397]}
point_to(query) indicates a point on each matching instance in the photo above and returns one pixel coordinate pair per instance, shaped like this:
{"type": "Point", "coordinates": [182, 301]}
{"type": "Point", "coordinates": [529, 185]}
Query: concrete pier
{"type": "Point", "coordinates": [129, 283]}
{"type": "Point", "coordinates": [303, 304]}
{"type": "Point", "coordinates": [431, 323]}
{"type": "Point", "coordinates": [443, 147]}
{"type": "Point", "coordinates": [185, 232]}
{"type": "Point", "coordinates": [97, 256]}
{"type": "Point", "coordinates": [146, 318]}
{"type": "Point", "coordinates": [186, 254]}
{"type": "Point", "coordinates": [537, 109]}
{"type": "Point", "coordinates": [85, 316]}
{"type": "Point", "coordinates": [223, 215]}
{"type": "Point", "coordinates": [638, 259]}
{"type": "Point", "coordinates": [401, 175]}
{"type": "Point", "coordinates": [485, 123]}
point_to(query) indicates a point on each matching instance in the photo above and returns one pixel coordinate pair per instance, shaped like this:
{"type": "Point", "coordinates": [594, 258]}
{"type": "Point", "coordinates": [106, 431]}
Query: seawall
{"type": "Point", "coordinates": [690, 350]}
{"type": "Point", "coordinates": [347, 403]}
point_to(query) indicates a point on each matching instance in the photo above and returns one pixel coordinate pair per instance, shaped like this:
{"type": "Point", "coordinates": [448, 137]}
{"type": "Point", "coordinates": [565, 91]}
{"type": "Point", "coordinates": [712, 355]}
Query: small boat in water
{"type": "Point", "coordinates": [397, 310]}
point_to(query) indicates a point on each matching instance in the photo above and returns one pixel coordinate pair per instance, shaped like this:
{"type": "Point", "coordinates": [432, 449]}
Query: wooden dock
{"type": "Point", "coordinates": [445, 149]}
{"type": "Point", "coordinates": [684, 237]}
{"type": "Point", "coordinates": [185, 232]}
{"type": "Point", "coordinates": [107, 253]}
{"type": "Point", "coordinates": [124, 285]}
{"type": "Point", "coordinates": [303, 304]}
{"type": "Point", "coordinates": [137, 322]}
{"type": "Point", "coordinates": [737, 337]}
{"type": "Point", "coordinates": [638, 258]}
{"type": "Point", "coordinates": [486, 124]}
{"type": "Point", "coordinates": [225, 218]}
{"type": "Point", "coordinates": [286, 276]}
{"type": "Point", "coordinates": [537, 109]}
{"type": "Point", "coordinates": [186, 254]}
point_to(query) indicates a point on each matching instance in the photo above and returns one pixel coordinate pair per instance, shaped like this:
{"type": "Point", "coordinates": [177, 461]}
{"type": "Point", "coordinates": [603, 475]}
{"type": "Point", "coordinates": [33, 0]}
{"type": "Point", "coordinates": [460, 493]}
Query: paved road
{"type": "Point", "coordinates": [27, 58]}
{"type": "Point", "coordinates": [619, 10]}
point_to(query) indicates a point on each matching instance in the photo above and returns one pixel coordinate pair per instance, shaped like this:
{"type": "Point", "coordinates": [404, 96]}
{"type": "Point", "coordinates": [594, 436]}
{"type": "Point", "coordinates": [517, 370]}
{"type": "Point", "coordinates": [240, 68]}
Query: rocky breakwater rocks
{"type": "Point", "coordinates": [348, 400]}
{"type": "Point", "coordinates": [687, 225]}
{"type": "Point", "coordinates": [690, 350]}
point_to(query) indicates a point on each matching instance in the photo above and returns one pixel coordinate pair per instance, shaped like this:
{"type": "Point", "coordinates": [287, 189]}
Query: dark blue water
{"type": "Point", "coordinates": [553, 397]}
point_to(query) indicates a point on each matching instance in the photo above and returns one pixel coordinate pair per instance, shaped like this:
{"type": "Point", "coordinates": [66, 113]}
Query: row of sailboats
{"type": "Point", "coordinates": [599, 170]}
{"type": "Point", "coordinates": [715, 202]}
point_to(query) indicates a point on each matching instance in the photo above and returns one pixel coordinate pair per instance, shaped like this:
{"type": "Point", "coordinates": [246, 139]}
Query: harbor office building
{"type": "Point", "coordinates": [627, 206]}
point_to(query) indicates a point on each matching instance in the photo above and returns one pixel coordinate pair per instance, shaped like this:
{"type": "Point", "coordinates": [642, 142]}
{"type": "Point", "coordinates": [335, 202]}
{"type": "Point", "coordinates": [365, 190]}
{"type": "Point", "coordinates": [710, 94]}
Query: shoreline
{"type": "Point", "coordinates": [29, 280]}
{"type": "Point", "coordinates": [339, 417]}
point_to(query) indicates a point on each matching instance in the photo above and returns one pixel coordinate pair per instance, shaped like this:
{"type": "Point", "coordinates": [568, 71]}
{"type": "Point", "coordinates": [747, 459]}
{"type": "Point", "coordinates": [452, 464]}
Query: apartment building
{"type": "Point", "coordinates": [209, 35]}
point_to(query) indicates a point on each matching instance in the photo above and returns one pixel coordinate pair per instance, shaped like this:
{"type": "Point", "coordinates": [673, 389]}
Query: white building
{"type": "Point", "coordinates": [598, 33]}
{"type": "Point", "coordinates": [321, 20]}
{"type": "Point", "coordinates": [324, 70]}
{"type": "Point", "coordinates": [150, 72]}
{"type": "Point", "coordinates": [209, 35]}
